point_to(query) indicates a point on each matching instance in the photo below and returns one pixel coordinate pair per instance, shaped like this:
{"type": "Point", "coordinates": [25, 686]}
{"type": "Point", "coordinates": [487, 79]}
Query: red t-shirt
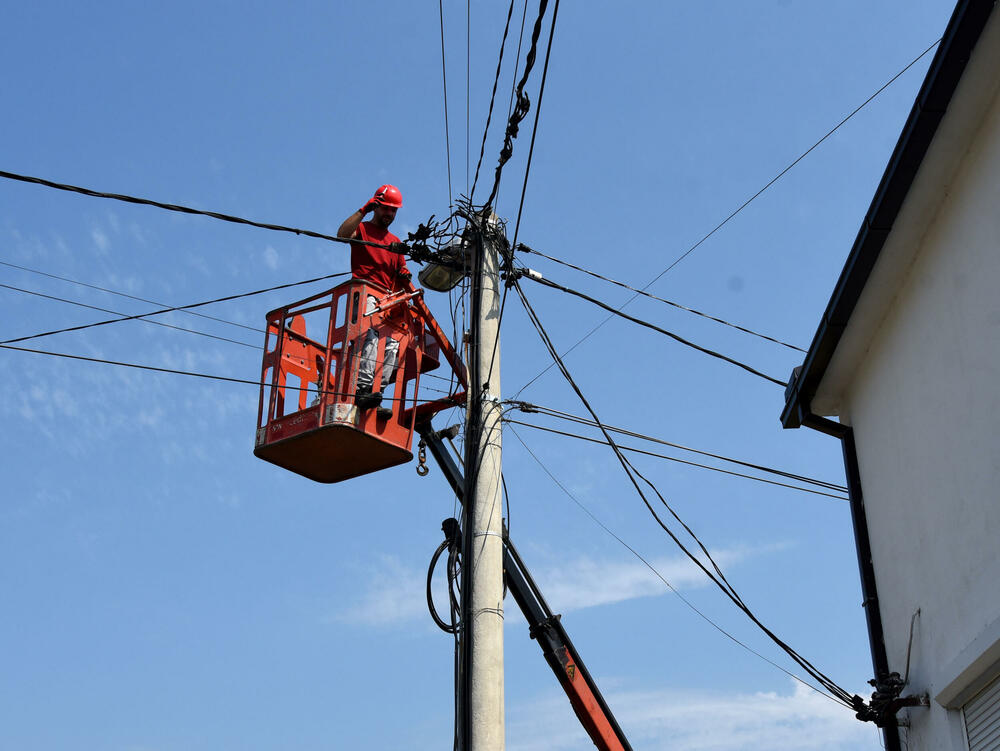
{"type": "Point", "coordinates": [373, 264]}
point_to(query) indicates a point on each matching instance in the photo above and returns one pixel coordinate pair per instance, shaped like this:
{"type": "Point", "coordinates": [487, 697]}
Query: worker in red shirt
{"type": "Point", "coordinates": [383, 268]}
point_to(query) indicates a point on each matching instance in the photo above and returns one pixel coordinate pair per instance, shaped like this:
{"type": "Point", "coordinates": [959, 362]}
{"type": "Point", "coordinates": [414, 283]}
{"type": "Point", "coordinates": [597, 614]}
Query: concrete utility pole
{"type": "Point", "coordinates": [481, 649]}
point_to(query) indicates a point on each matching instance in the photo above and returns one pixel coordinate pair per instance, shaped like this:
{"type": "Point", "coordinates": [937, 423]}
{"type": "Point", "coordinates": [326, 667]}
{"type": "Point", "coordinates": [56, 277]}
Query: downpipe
{"type": "Point", "coordinates": [886, 701]}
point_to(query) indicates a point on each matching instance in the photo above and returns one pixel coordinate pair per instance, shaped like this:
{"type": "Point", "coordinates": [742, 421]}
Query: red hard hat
{"type": "Point", "coordinates": [388, 195]}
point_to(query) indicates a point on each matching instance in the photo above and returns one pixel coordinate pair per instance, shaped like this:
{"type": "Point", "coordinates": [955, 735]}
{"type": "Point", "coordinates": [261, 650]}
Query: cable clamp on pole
{"type": "Point", "coordinates": [511, 276]}
{"type": "Point", "coordinates": [521, 405]}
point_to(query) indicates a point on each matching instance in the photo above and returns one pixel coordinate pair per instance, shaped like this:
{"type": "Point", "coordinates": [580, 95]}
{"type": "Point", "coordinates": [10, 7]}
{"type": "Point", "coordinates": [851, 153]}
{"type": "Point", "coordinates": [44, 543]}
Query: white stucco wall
{"type": "Point", "coordinates": [923, 396]}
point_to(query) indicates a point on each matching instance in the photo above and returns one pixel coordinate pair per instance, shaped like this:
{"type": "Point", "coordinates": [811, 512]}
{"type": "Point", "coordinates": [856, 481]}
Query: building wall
{"type": "Point", "coordinates": [924, 402]}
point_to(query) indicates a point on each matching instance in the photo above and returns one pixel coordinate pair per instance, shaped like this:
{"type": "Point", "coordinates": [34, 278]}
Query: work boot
{"type": "Point", "coordinates": [383, 413]}
{"type": "Point", "coordinates": [365, 399]}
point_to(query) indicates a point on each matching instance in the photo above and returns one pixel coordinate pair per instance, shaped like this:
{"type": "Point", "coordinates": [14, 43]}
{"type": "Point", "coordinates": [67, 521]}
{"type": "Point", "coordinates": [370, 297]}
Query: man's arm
{"type": "Point", "coordinates": [404, 279]}
{"type": "Point", "coordinates": [349, 229]}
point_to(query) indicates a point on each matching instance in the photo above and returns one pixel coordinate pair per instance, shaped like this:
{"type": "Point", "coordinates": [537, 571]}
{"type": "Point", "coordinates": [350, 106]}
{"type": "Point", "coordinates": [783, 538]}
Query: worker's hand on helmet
{"type": "Point", "coordinates": [370, 206]}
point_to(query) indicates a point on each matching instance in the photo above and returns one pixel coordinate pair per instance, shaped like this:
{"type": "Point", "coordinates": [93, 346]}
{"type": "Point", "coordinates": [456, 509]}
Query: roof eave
{"type": "Point", "coordinates": [961, 35]}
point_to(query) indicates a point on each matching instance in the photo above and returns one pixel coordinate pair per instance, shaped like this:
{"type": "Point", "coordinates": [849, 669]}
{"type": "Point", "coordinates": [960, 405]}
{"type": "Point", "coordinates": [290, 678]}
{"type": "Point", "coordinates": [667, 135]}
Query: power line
{"type": "Point", "coordinates": [138, 366]}
{"type": "Point", "coordinates": [489, 112]}
{"type": "Point", "coordinates": [169, 310]}
{"type": "Point", "coordinates": [517, 64]}
{"type": "Point", "coordinates": [549, 412]}
{"type": "Point", "coordinates": [534, 128]}
{"type": "Point", "coordinates": [158, 323]}
{"type": "Point", "coordinates": [835, 690]}
{"type": "Point", "coordinates": [660, 576]}
{"type": "Point", "coordinates": [468, 85]}
{"type": "Point", "coordinates": [130, 297]}
{"type": "Point", "coordinates": [676, 459]}
{"type": "Point", "coordinates": [187, 210]}
{"type": "Point", "coordinates": [208, 376]}
{"type": "Point", "coordinates": [517, 58]}
{"type": "Point", "coordinates": [741, 207]}
{"type": "Point", "coordinates": [118, 313]}
{"type": "Point", "coordinates": [523, 103]}
{"type": "Point", "coordinates": [444, 77]}
{"type": "Point", "coordinates": [526, 249]}
{"type": "Point", "coordinates": [527, 171]}
{"type": "Point", "coordinates": [798, 159]}
{"type": "Point", "coordinates": [632, 473]}
{"type": "Point", "coordinates": [618, 312]}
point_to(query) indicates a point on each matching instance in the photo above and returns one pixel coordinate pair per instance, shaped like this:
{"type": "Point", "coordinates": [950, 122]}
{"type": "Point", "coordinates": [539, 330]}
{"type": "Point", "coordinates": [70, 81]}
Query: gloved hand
{"type": "Point", "coordinates": [370, 206]}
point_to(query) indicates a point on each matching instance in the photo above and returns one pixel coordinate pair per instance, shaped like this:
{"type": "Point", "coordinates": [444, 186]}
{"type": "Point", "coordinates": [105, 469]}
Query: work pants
{"type": "Point", "coordinates": [369, 350]}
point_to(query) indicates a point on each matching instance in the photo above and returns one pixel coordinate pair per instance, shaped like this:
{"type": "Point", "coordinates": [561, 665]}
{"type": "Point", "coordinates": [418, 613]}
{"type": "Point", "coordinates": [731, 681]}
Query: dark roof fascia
{"type": "Point", "coordinates": [964, 28]}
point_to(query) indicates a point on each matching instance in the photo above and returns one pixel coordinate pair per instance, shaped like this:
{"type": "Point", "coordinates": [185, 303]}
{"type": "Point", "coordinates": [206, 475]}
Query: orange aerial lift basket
{"type": "Point", "coordinates": [307, 420]}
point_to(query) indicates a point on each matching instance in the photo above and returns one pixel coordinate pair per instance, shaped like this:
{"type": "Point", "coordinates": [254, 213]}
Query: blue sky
{"type": "Point", "coordinates": [163, 589]}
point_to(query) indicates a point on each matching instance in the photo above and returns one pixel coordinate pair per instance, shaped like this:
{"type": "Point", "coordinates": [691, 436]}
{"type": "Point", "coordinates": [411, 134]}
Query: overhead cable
{"type": "Point", "coordinates": [549, 412]}
{"type": "Point", "coordinates": [489, 112]}
{"type": "Point", "coordinates": [618, 312]}
{"type": "Point", "coordinates": [746, 203]}
{"type": "Point", "coordinates": [522, 106]}
{"type": "Point", "coordinates": [468, 86]}
{"type": "Point", "coordinates": [524, 248]}
{"type": "Point", "coordinates": [658, 575]}
{"type": "Point", "coordinates": [717, 578]}
{"type": "Point", "coordinates": [138, 366]}
{"type": "Point", "coordinates": [312, 388]}
{"type": "Point", "coordinates": [170, 310]}
{"type": "Point", "coordinates": [189, 210]}
{"type": "Point", "coordinates": [130, 297]}
{"type": "Point", "coordinates": [517, 62]}
{"type": "Point", "coordinates": [527, 170]}
{"type": "Point", "coordinates": [676, 459]}
{"type": "Point", "coordinates": [118, 313]}
{"type": "Point", "coordinates": [180, 328]}
{"type": "Point", "coordinates": [798, 159]}
{"type": "Point", "coordinates": [534, 128]}
{"type": "Point", "coordinates": [444, 78]}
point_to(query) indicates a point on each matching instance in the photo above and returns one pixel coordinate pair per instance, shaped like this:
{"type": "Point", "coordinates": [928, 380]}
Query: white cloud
{"type": "Point", "coordinates": [138, 233]}
{"type": "Point", "coordinates": [683, 720]}
{"type": "Point", "coordinates": [394, 595]}
{"type": "Point", "coordinates": [129, 284]}
{"type": "Point", "coordinates": [150, 416]}
{"type": "Point", "coordinates": [199, 264]}
{"type": "Point", "coordinates": [271, 259]}
{"type": "Point", "coordinates": [186, 358]}
{"type": "Point", "coordinates": [586, 582]}
{"type": "Point", "coordinates": [100, 239]}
